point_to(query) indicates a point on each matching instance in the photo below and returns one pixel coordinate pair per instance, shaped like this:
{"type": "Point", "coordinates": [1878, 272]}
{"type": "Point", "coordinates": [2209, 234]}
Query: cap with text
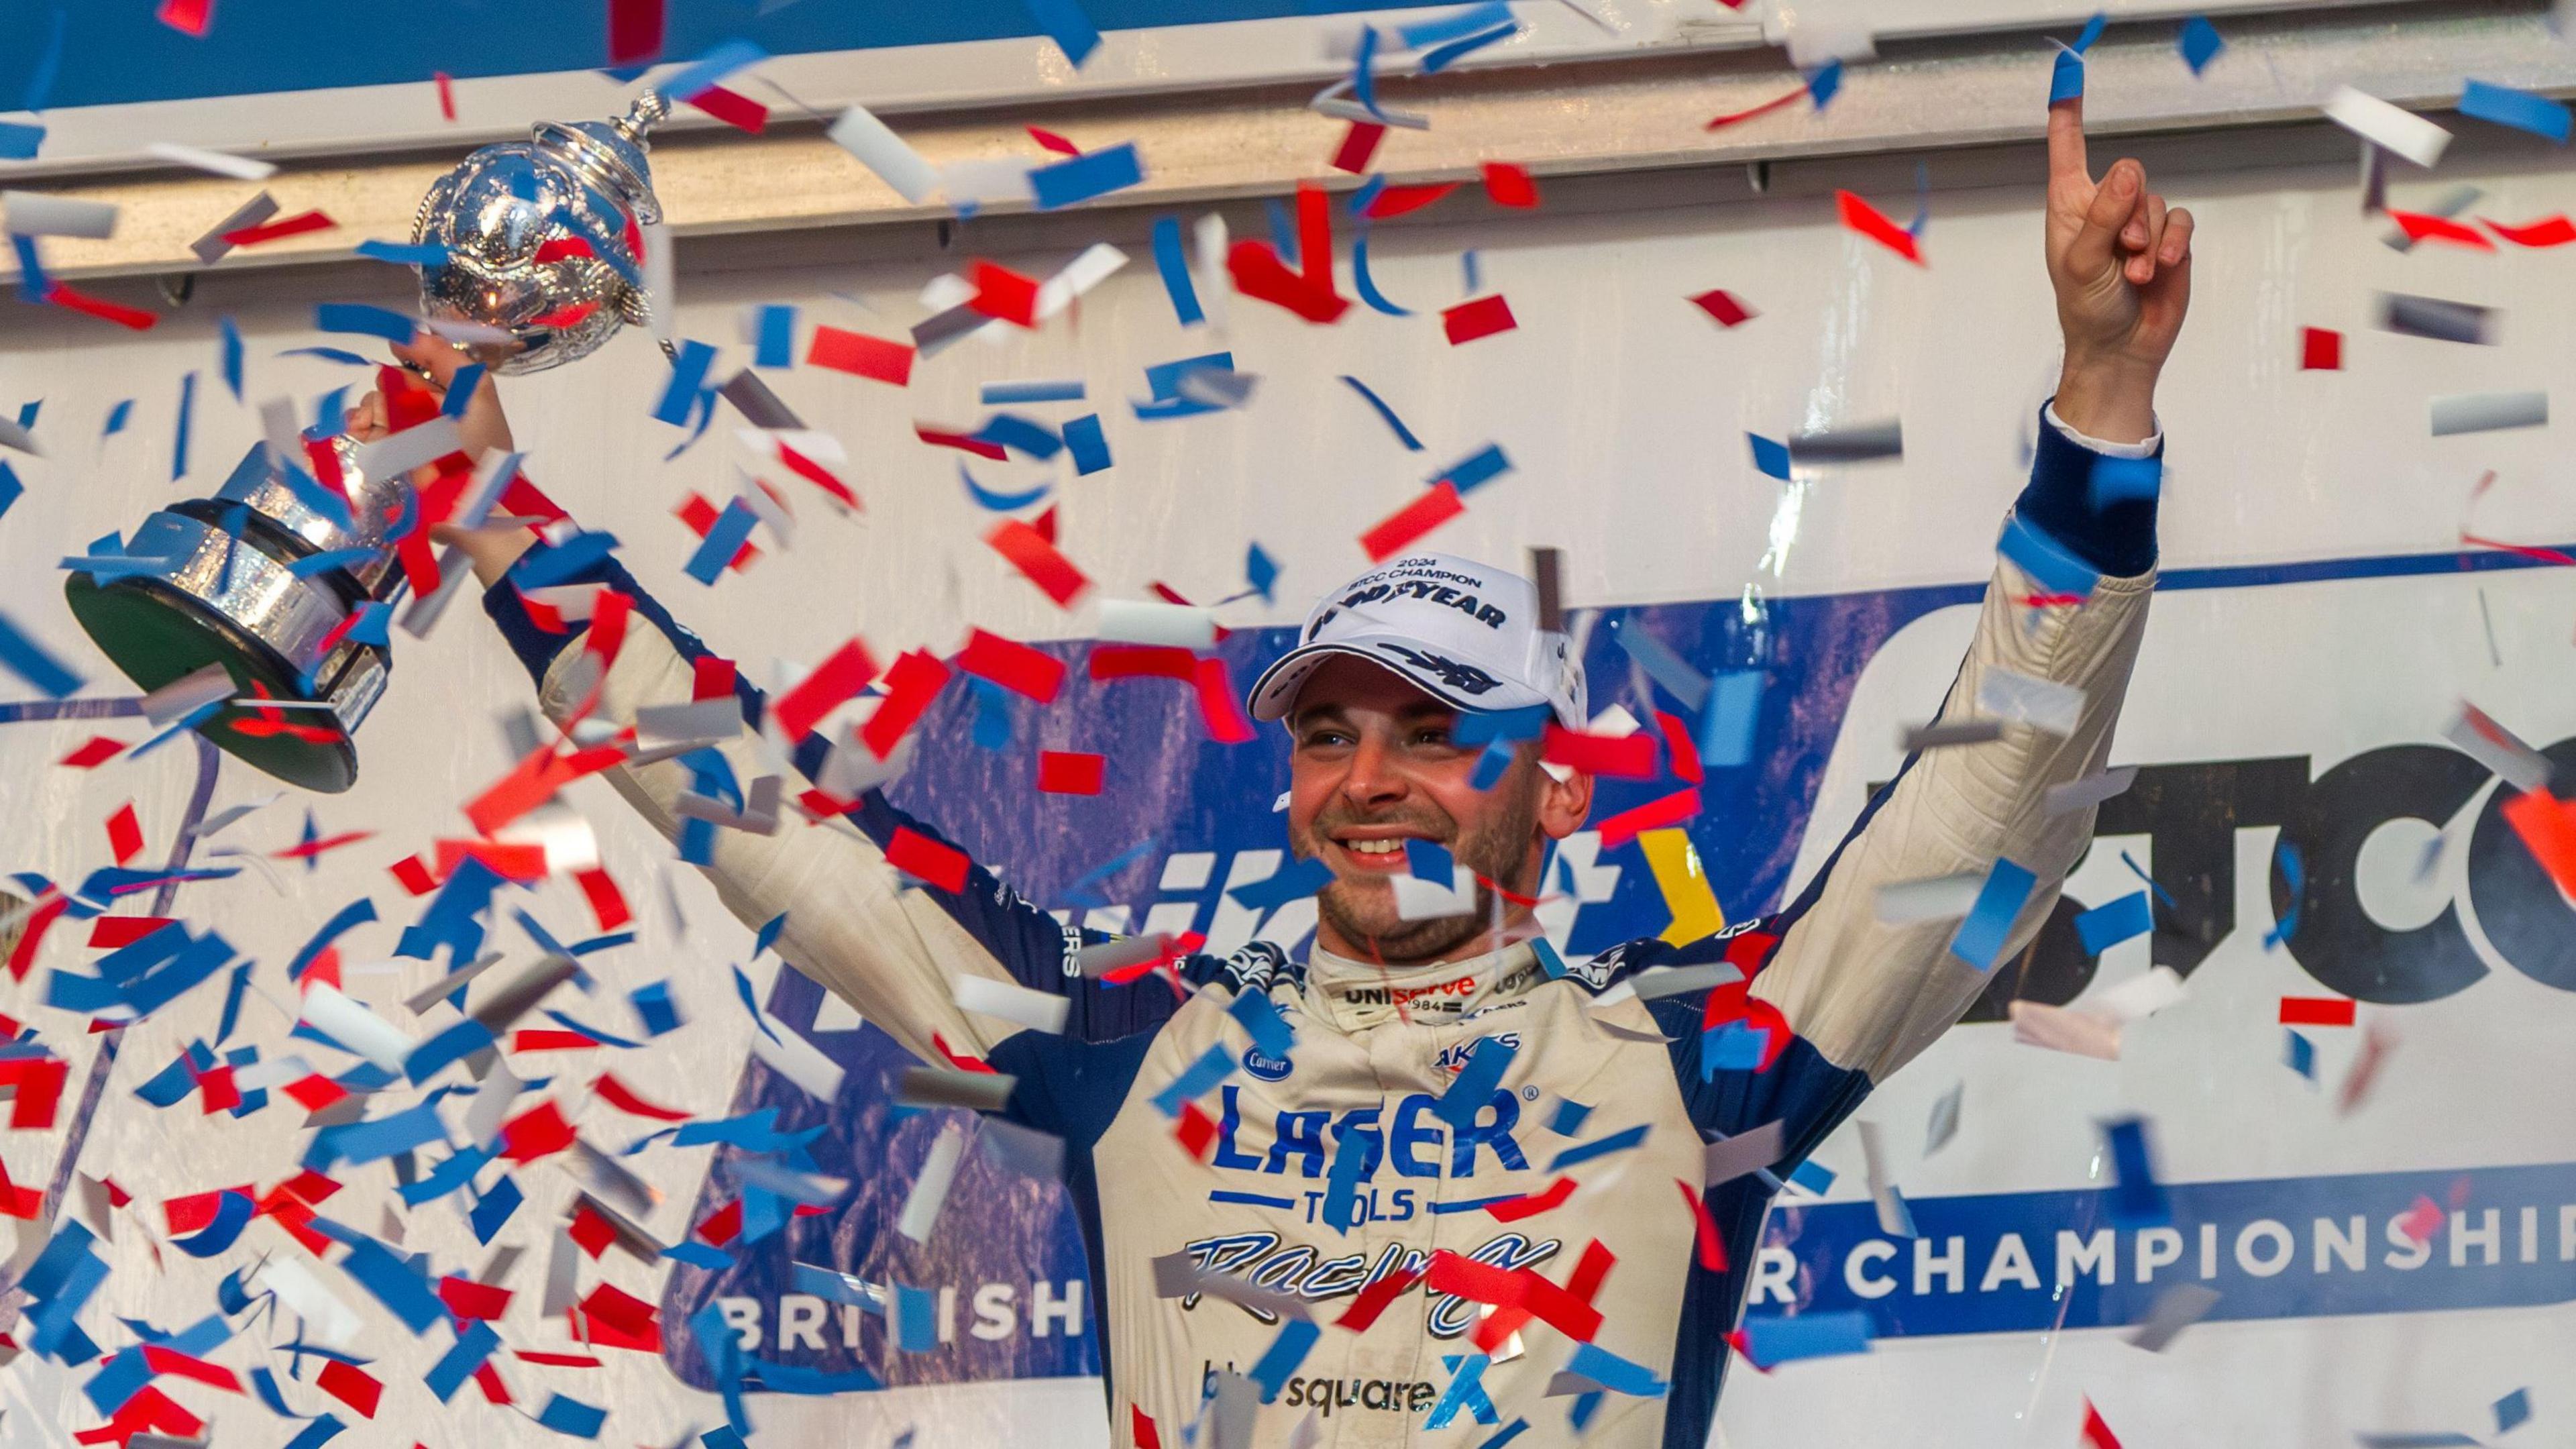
{"type": "Point", "coordinates": [1466, 633]}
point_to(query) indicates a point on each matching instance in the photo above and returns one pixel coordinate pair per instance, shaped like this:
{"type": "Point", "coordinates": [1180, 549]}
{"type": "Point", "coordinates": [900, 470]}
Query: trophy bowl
{"type": "Point", "coordinates": [542, 261]}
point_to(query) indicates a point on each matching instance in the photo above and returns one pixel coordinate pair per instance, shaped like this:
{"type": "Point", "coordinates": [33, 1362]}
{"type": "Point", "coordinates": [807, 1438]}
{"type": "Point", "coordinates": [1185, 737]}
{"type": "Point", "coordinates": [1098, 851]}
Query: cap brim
{"type": "Point", "coordinates": [1275, 692]}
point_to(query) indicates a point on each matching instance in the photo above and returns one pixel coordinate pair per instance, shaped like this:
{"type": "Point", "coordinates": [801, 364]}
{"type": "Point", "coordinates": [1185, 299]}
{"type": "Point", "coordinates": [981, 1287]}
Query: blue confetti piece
{"type": "Point", "coordinates": [710, 69]}
{"type": "Point", "coordinates": [1471, 265]}
{"type": "Point", "coordinates": [374, 1141]}
{"type": "Point", "coordinates": [557, 563]}
{"type": "Point", "coordinates": [10, 487]}
{"type": "Point", "coordinates": [20, 142]}
{"type": "Point", "coordinates": [187, 417]}
{"type": "Point", "coordinates": [170, 1085]}
{"type": "Point", "coordinates": [1822, 85]}
{"type": "Point", "coordinates": [1466, 1391]}
{"type": "Point", "coordinates": [2294, 875]}
{"type": "Point", "coordinates": [570, 1416]}
{"type": "Point", "coordinates": [731, 530]}
{"type": "Point", "coordinates": [1583, 1152]}
{"type": "Point", "coordinates": [1569, 1117]}
{"type": "Point", "coordinates": [916, 1322]}
{"type": "Point", "coordinates": [2106, 926]}
{"type": "Point", "coordinates": [2066, 78]}
{"type": "Point", "coordinates": [1277, 1362]}
{"type": "Point", "coordinates": [767, 935]}
{"type": "Point", "coordinates": [1090, 448]}
{"type": "Point", "coordinates": [1437, 60]}
{"type": "Point", "coordinates": [1474, 471]}
{"type": "Point", "coordinates": [999, 502]}
{"type": "Point", "coordinates": [2048, 564]}
{"type": "Point", "coordinates": [1365, 283]}
{"type": "Point", "coordinates": [40, 81]}
{"type": "Point", "coordinates": [229, 342]}
{"type": "Point", "coordinates": [365, 321]}
{"type": "Point", "coordinates": [232, 1214]}
{"type": "Point", "coordinates": [1067, 26]}
{"type": "Point", "coordinates": [2093, 28]}
{"type": "Point", "coordinates": [342, 356]}
{"type": "Point", "coordinates": [1814, 1177]}
{"type": "Point", "coordinates": [1271, 1035]}
{"type": "Point", "coordinates": [1196, 1080]}
{"type": "Point", "coordinates": [475, 1342]}
{"type": "Point", "coordinates": [2514, 1409]}
{"type": "Point", "coordinates": [773, 336]}
{"type": "Point", "coordinates": [1293, 882]}
{"type": "Point", "coordinates": [2300, 1055]}
{"type": "Point", "coordinates": [1485, 726]}
{"type": "Point", "coordinates": [373, 617]}
{"type": "Point", "coordinates": [404, 254]}
{"type": "Point", "coordinates": [1614, 1373]}
{"type": "Point", "coordinates": [2521, 110]}
{"type": "Point", "coordinates": [453, 1044]}
{"type": "Point", "coordinates": [1452, 24]}
{"type": "Point", "coordinates": [461, 388]}
{"type": "Point", "coordinates": [698, 841]}
{"type": "Point", "coordinates": [1731, 1046]}
{"type": "Point", "coordinates": [1809, 1335]}
{"type": "Point", "coordinates": [999, 394]}
{"type": "Point", "coordinates": [321, 1431]}
{"type": "Point", "coordinates": [1342, 1181]}
{"type": "Point", "coordinates": [1732, 718]}
{"type": "Point", "coordinates": [1548, 961]}
{"type": "Point", "coordinates": [387, 1276]}
{"type": "Point", "coordinates": [1025, 435]}
{"type": "Point", "coordinates": [992, 729]}
{"type": "Point", "coordinates": [1175, 269]}
{"type": "Point", "coordinates": [1492, 765]}
{"type": "Point", "coordinates": [1770, 457]}
{"type": "Point", "coordinates": [1093, 174]}
{"type": "Point", "coordinates": [2200, 44]}
{"type": "Point", "coordinates": [2117, 480]}
{"type": "Point", "coordinates": [117, 417]}
{"type": "Point", "coordinates": [1357, 203]}
{"type": "Point", "coordinates": [1402, 433]}
{"type": "Point", "coordinates": [688, 378]}
{"type": "Point", "coordinates": [1163, 379]}
{"type": "Point", "coordinates": [1980, 938]}
{"type": "Point", "coordinates": [1473, 1089]}
{"type": "Point", "coordinates": [1283, 229]}
{"type": "Point", "coordinates": [1259, 570]}
{"type": "Point", "coordinates": [2137, 1199]}
{"type": "Point", "coordinates": [654, 1008]}
{"type": "Point", "coordinates": [28, 660]}
{"type": "Point", "coordinates": [1431, 861]}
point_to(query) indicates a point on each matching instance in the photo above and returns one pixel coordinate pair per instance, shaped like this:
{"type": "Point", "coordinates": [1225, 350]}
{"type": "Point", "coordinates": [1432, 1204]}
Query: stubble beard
{"type": "Point", "coordinates": [1363, 912]}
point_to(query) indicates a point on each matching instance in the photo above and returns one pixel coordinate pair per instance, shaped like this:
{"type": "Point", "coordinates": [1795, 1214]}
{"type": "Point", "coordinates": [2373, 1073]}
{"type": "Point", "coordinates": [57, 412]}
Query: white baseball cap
{"type": "Point", "coordinates": [1466, 633]}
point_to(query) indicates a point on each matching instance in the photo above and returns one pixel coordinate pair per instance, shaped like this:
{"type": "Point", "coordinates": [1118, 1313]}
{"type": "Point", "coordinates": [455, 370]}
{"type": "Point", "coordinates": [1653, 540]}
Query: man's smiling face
{"type": "Point", "coordinates": [1374, 765]}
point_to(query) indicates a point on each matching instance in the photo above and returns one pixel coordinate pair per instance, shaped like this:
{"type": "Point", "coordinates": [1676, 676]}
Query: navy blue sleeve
{"type": "Point", "coordinates": [1030, 944]}
{"type": "Point", "coordinates": [2119, 538]}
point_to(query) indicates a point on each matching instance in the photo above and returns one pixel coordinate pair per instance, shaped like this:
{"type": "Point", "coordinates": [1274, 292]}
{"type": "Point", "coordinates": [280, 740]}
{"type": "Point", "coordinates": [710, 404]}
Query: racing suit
{"type": "Point", "coordinates": [1376, 1049]}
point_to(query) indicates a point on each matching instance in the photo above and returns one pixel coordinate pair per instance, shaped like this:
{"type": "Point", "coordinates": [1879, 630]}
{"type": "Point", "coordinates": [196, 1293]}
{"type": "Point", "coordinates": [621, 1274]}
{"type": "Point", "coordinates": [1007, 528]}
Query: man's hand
{"type": "Point", "coordinates": [484, 427]}
{"type": "Point", "coordinates": [2121, 264]}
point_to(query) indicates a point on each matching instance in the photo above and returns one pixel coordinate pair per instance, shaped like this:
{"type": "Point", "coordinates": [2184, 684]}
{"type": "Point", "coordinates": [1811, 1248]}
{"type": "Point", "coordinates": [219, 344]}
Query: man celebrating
{"type": "Point", "coordinates": [1425, 1180]}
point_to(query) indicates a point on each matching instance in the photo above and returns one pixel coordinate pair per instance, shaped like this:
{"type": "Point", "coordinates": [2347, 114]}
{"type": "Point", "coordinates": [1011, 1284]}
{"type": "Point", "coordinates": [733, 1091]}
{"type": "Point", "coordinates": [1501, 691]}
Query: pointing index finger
{"type": "Point", "coordinates": [2066, 141]}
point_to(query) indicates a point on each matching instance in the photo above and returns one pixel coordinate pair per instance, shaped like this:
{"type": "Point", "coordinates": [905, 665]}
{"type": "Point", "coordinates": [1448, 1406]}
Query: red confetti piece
{"type": "Point", "coordinates": [1258, 273]}
{"type": "Point", "coordinates": [923, 858]}
{"type": "Point", "coordinates": [818, 475]}
{"type": "Point", "coordinates": [1038, 561]}
{"type": "Point", "coordinates": [414, 875]}
{"type": "Point", "coordinates": [188, 17]}
{"type": "Point", "coordinates": [1764, 109]}
{"type": "Point", "coordinates": [2548, 831]}
{"type": "Point", "coordinates": [1374, 1298]}
{"type": "Point", "coordinates": [40, 1087]}
{"type": "Point", "coordinates": [1621, 757]}
{"type": "Point", "coordinates": [1485, 1283]}
{"type": "Point", "coordinates": [487, 1378]}
{"type": "Point", "coordinates": [958, 1059]}
{"type": "Point", "coordinates": [518, 862]}
{"type": "Point", "coordinates": [976, 446]}
{"type": "Point", "coordinates": [1627, 825]}
{"type": "Point", "coordinates": [626, 1099]}
{"type": "Point", "coordinates": [1003, 293]}
{"type": "Point", "coordinates": [1141, 661]}
{"type": "Point", "coordinates": [216, 1091]}
{"type": "Point", "coordinates": [1392, 201]}
{"type": "Point", "coordinates": [1196, 1132]}
{"type": "Point", "coordinates": [2523, 550]}
{"type": "Point", "coordinates": [564, 316]}
{"type": "Point", "coordinates": [285, 226]}
{"type": "Point", "coordinates": [324, 845]}
{"type": "Point", "coordinates": [634, 30]}
{"type": "Point", "coordinates": [558, 248]}
{"type": "Point", "coordinates": [165, 1360]}
{"type": "Point", "coordinates": [98, 751]}
{"type": "Point", "coordinates": [541, 1131]}
{"type": "Point", "coordinates": [721, 1226]}
{"type": "Point", "coordinates": [192, 1211]}
{"type": "Point", "coordinates": [1012, 665]}
{"type": "Point", "coordinates": [710, 677]}
{"type": "Point", "coordinates": [618, 1309]}
{"type": "Point", "coordinates": [124, 834]}
{"type": "Point", "coordinates": [591, 1231]}
{"type": "Point", "coordinates": [352, 1386]}
{"type": "Point", "coordinates": [2316, 1011]}
{"type": "Point", "coordinates": [2422, 226]}
{"type": "Point", "coordinates": [314, 1092]}
{"type": "Point", "coordinates": [134, 318]}
{"type": "Point", "coordinates": [1220, 707]}
{"type": "Point", "coordinates": [856, 352]}
{"type": "Point", "coordinates": [1509, 185]}
{"type": "Point", "coordinates": [2097, 1435]}
{"type": "Point", "coordinates": [833, 682]}
{"type": "Point", "coordinates": [109, 932]}
{"type": "Point", "coordinates": [1053, 142]}
{"type": "Point", "coordinates": [1679, 747]}
{"type": "Point", "coordinates": [446, 94]}
{"type": "Point", "coordinates": [1869, 221]}
{"type": "Point", "coordinates": [1712, 1249]}
{"type": "Point", "coordinates": [1531, 1204]}
{"type": "Point", "coordinates": [733, 108]}
{"type": "Point", "coordinates": [1435, 506]}
{"type": "Point", "coordinates": [911, 686]}
{"type": "Point", "coordinates": [2320, 350]}
{"type": "Point", "coordinates": [1062, 772]}
{"type": "Point", "coordinates": [607, 903]}
{"type": "Point", "coordinates": [1142, 1425]}
{"type": "Point", "coordinates": [1481, 317]}
{"type": "Point", "coordinates": [48, 910]}
{"type": "Point", "coordinates": [1359, 143]}
{"type": "Point", "coordinates": [2555, 231]}
{"type": "Point", "coordinates": [2422, 1220]}
{"type": "Point", "coordinates": [1723, 305]}
{"type": "Point", "coordinates": [468, 1299]}
{"type": "Point", "coordinates": [550, 1039]}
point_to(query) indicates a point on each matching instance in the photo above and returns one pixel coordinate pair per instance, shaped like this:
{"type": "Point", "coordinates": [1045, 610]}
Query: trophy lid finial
{"type": "Point", "coordinates": [649, 110]}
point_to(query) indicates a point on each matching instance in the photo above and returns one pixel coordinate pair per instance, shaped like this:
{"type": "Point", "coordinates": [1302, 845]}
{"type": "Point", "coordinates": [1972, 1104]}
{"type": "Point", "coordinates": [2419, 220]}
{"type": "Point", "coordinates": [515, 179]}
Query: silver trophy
{"type": "Point", "coordinates": [544, 244]}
